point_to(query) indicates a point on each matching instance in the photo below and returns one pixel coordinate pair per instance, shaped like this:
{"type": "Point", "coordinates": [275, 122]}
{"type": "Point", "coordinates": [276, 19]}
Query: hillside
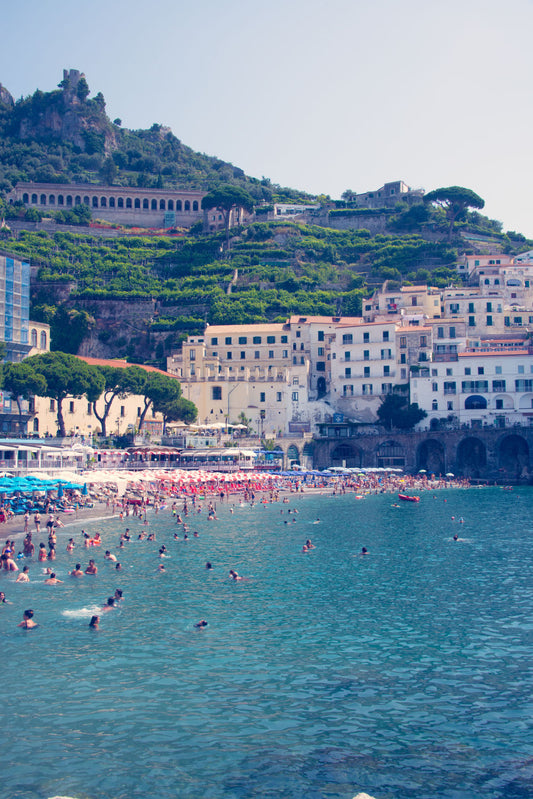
{"type": "Point", "coordinates": [137, 296]}
{"type": "Point", "coordinates": [66, 136]}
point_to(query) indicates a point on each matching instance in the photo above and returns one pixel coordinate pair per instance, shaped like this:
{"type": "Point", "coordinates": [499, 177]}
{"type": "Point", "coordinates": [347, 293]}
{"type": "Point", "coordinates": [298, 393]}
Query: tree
{"type": "Point", "coordinates": [66, 376]}
{"type": "Point", "coordinates": [395, 411]}
{"type": "Point", "coordinates": [159, 391]}
{"type": "Point", "coordinates": [349, 196]}
{"type": "Point", "coordinates": [177, 410]}
{"type": "Point", "coordinates": [22, 382]}
{"type": "Point", "coordinates": [118, 382]}
{"type": "Point", "coordinates": [82, 89]}
{"type": "Point", "coordinates": [228, 199]}
{"type": "Point", "coordinates": [455, 200]}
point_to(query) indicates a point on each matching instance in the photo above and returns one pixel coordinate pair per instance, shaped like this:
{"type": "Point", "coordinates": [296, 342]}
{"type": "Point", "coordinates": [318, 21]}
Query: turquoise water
{"type": "Point", "coordinates": [403, 673]}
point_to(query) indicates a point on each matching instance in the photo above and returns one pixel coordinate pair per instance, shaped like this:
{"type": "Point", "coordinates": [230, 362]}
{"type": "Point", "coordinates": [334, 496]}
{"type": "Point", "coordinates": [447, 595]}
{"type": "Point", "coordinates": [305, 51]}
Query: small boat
{"type": "Point", "coordinates": [407, 498]}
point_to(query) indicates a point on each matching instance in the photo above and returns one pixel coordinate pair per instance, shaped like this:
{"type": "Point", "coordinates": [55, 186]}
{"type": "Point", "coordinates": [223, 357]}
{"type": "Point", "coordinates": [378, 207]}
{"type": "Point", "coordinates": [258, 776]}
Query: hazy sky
{"type": "Point", "coordinates": [320, 95]}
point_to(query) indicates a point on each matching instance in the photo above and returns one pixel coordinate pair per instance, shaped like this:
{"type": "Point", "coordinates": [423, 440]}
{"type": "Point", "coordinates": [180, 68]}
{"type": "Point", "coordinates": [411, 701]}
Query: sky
{"type": "Point", "coordinates": [317, 95]}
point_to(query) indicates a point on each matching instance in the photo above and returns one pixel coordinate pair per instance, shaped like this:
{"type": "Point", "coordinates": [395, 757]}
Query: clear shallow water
{"type": "Point", "coordinates": [403, 673]}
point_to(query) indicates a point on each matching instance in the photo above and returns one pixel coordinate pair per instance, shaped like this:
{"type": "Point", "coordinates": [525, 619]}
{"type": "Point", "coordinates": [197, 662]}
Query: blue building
{"type": "Point", "coordinates": [14, 306]}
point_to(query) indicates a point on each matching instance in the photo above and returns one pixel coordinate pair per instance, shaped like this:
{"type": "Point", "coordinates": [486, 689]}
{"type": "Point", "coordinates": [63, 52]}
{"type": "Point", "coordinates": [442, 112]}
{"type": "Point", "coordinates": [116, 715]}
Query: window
{"type": "Point", "coordinates": [348, 371]}
{"type": "Point", "coordinates": [489, 321]}
{"type": "Point", "coordinates": [423, 341]}
{"type": "Point", "coordinates": [498, 370]}
{"type": "Point", "coordinates": [523, 385]}
{"type": "Point", "coordinates": [243, 355]}
{"type": "Point", "coordinates": [440, 332]}
{"type": "Point", "coordinates": [256, 339]}
{"type": "Point", "coordinates": [262, 397]}
{"type": "Point", "coordinates": [366, 338]}
{"type": "Point", "coordinates": [122, 411]}
{"type": "Point", "coordinates": [475, 386]}
{"type": "Point", "coordinates": [450, 387]}
{"type": "Point", "coordinates": [89, 409]}
{"type": "Point", "coordinates": [52, 405]}
{"type": "Point", "coordinates": [347, 338]}
{"type": "Point", "coordinates": [403, 358]}
{"type": "Point", "coordinates": [386, 355]}
{"type": "Point", "coordinates": [481, 370]}
{"type": "Point", "coordinates": [192, 355]}
{"type": "Point", "coordinates": [302, 346]}
{"type": "Point", "coordinates": [386, 388]}
{"type": "Point", "coordinates": [295, 381]}
{"type": "Point", "coordinates": [366, 355]}
{"type": "Point", "coordinates": [385, 335]}
{"type": "Point", "coordinates": [347, 390]}
{"type": "Point", "coordinates": [228, 340]}
{"type": "Point", "coordinates": [347, 356]}
{"type": "Point", "coordinates": [434, 386]}
{"type": "Point", "coordinates": [321, 335]}
{"type": "Point", "coordinates": [321, 366]}
{"type": "Point", "coordinates": [285, 353]}
{"type": "Point", "coordinates": [454, 307]}
{"type": "Point", "coordinates": [321, 351]}
{"type": "Point", "coordinates": [242, 340]}
{"type": "Point", "coordinates": [452, 332]}
{"type": "Point", "coordinates": [520, 370]}
{"type": "Point", "coordinates": [498, 385]}
{"type": "Point", "coordinates": [257, 355]}
{"type": "Point", "coordinates": [471, 321]}
{"type": "Point", "coordinates": [271, 339]}
{"type": "Point", "coordinates": [367, 389]}
{"type": "Point", "coordinates": [71, 407]}
{"type": "Point", "coordinates": [278, 396]}
{"type": "Point", "coordinates": [449, 372]}
{"type": "Point", "coordinates": [298, 334]}
{"type": "Point", "coordinates": [295, 396]}
{"type": "Point", "coordinates": [229, 356]}
{"type": "Point", "coordinates": [138, 411]}
{"type": "Point", "coordinates": [468, 371]}
{"type": "Point", "coordinates": [471, 307]}
{"type": "Point", "coordinates": [366, 371]}
{"type": "Point", "coordinates": [403, 342]}
{"type": "Point", "coordinates": [386, 370]}
{"type": "Point", "coordinates": [33, 338]}
{"type": "Point", "coordinates": [489, 307]}
{"type": "Point", "coordinates": [214, 342]}
{"type": "Point", "coordinates": [271, 353]}
{"type": "Point", "coordinates": [434, 405]}
{"type": "Point", "coordinates": [403, 374]}
{"type": "Point", "coordinates": [284, 339]}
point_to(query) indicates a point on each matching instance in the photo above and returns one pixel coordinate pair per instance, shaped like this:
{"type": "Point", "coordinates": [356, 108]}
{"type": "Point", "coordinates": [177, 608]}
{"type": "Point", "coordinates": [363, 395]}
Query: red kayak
{"type": "Point", "coordinates": [406, 498]}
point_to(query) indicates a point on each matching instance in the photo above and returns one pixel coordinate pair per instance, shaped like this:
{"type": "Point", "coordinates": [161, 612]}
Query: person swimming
{"type": "Point", "coordinates": [201, 624]}
{"type": "Point", "coordinates": [95, 621]}
{"type": "Point", "coordinates": [77, 572]}
{"type": "Point", "coordinates": [27, 620]}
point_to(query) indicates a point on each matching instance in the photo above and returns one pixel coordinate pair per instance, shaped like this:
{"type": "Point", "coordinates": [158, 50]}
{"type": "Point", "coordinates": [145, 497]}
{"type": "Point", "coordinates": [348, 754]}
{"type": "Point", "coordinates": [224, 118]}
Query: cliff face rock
{"type": "Point", "coordinates": [66, 115]}
{"type": "Point", "coordinates": [6, 98]}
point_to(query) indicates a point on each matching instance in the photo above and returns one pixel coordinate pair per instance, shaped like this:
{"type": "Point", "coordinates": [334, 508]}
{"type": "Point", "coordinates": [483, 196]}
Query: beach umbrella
{"type": "Point", "coordinates": [84, 490]}
{"type": "Point", "coordinates": [421, 471]}
{"type": "Point", "coordinates": [60, 491]}
{"type": "Point", "coordinates": [450, 474]}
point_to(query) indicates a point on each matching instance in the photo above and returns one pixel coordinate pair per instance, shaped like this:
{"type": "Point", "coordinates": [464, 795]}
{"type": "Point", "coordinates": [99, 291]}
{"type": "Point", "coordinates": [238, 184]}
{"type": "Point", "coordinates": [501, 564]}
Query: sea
{"type": "Point", "coordinates": [402, 673]}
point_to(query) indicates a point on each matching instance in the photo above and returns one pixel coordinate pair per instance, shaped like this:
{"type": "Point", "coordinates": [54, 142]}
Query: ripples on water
{"type": "Point", "coordinates": [403, 673]}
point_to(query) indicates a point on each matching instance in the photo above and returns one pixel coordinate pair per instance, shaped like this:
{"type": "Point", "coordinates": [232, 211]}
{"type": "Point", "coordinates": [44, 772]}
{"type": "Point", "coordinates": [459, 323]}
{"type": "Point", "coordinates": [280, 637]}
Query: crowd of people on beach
{"type": "Point", "coordinates": [183, 505]}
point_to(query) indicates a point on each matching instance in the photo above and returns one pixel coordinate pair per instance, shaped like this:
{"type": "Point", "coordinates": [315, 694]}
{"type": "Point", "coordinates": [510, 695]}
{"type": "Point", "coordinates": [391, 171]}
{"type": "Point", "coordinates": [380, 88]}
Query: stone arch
{"type": "Point", "coordinates": [43, 199]}
{"type": "Point", "coordinates": [69, 201]}
{"type": "Point", "coordinates": [128, 202]}
{"type": "Point", "coordinates": [60, 199]}
{"type": "Point", "coordinates": [36, 425]}
{"type": "Point", "coordinates": [33, 337]}
{"type": "Point", "coordinates": [146, 204]}
{"type": "Point", "coordinates": [77, 200]}
{"type": "Point", "coordinates": [103, 202]}
{"type": "Point", "coordinates": [34, 199]}
{"type": "Point", "coordinates": [321, 387]}
{"type": "Point", "coordinates": [475, 402]}
{"type": "Point", "coordinates": [111, 202]}
{"type": "Point", "coordinates": [309, 449]}
{"type": "Point", "coordinates": [170, 205]}
{"type": "Point", "coordinates": [187, 205]}
{"type": "Point", "coordinates": [52, 199]}
{"type": "Point", "coordinates": [86, 200]}
{"type": "Point", "coordinates": [162, 205]}
{"type": "Point", "coordinates": [153, 205]}
{"type": "Point", "coordinates": [513, 455]}
{"type": "Point", "coordinates": [471, 457]}
{"type": "Point", "coordinates": [120, 202]}
{"type": "Point", "coordinates": [346, 455]}
{"type": "Point", "coordinates": [95, 202]}
{"type": "Point", "coordinates": [178, 205]}
{"type": "Point", "coordinates": [430, 455]}
{"type": "Point", "coordinates": [390, 453]}
{"type": "Point", "coordinates": [293, 453]}
{"type": "Point", "coordinates": [526, 401]}
{"type": "Point", "coordinates": [503, 402]}
{"type": "Point", "coordinates": [195, 205]}
{"type": "Point", "coordinates": [43, 339]}
{"type": "Point", "coordinates": [25, 198]}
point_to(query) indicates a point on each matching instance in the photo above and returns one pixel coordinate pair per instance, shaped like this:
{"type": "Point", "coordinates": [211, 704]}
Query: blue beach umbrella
{"type": "Point", "coordinates": [84, 490]}
{"type": "Point", "coordinates": [60, 491]}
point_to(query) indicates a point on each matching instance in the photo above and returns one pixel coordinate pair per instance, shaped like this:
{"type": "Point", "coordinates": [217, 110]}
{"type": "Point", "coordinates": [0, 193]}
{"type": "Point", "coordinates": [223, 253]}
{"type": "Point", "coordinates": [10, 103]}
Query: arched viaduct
{"type": "Point", "coordinates": [485, 454]}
